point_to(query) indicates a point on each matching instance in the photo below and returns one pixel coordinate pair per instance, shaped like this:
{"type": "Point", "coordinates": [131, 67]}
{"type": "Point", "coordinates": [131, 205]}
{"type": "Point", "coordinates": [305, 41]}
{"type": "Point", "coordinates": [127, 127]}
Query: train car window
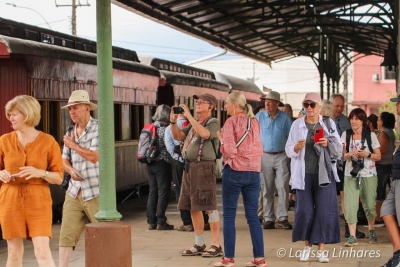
{"type": "Point", "coordinates": [126, 129]}
{"type": "Point", "coordinates": [117, 122]}
{"type": "Point", "coordinates": [50, 119]}
{"type": "Point", "coordinates": [137, 120]}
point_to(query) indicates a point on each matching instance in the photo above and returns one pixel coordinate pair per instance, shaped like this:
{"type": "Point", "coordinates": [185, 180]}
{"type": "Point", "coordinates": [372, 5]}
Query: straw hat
{"type": "Point", "coordinates": [79, 97]}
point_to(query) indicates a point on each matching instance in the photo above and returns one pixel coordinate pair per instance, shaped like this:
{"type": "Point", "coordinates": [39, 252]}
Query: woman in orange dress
{"type": "Point", "coordinates": [30, 160]}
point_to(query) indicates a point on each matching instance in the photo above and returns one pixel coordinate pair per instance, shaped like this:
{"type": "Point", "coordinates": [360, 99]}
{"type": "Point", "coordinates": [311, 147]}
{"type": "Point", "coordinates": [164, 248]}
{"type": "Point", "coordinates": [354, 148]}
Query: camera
{"type": "Point", "coordinates": [358, 165]}
{"type": "Point", "coordinates": [178, 110]}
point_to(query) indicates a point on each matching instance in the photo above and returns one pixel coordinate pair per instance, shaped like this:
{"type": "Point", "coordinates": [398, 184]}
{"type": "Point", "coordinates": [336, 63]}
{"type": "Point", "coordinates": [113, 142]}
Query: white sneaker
{"type": "Point", "coordinates": [323, 256]}
{"type": "Point", "coordinates": [305, 254]}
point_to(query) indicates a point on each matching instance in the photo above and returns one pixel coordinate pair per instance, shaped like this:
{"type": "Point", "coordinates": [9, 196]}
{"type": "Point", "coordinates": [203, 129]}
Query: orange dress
{"type": "Point", "coordinates": [26, 205]}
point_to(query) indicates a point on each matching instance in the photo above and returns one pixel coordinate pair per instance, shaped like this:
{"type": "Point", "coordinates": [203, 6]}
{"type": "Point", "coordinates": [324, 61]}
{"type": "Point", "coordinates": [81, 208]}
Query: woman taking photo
{"type": "Point", "coordinates": [316, 215]}
{"type": "Point", "coordinates": [242, 150]}
{"type": "Point", "coordinates": [360, 181]}
{"type": "Point", "coordinates": [30, 160]}
{"type": "Point", "coordinates": [386, 138]}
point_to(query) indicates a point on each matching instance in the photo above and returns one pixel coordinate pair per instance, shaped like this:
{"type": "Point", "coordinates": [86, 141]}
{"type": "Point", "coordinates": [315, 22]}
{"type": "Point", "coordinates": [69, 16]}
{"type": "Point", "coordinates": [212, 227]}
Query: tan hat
{"type": "Point", "coordinates": [79, 97]}
{"type": "Point", "coordinates": [273, 95]}
{"type": "Point", "coordinates": [207, 97]}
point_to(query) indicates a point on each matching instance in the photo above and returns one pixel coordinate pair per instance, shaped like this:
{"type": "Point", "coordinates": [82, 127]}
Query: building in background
{"type": "Point", "coordinates": [373, 84]}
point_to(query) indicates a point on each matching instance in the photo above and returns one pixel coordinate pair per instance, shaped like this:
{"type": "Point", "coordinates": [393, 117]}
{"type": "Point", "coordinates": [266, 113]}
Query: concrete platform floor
{"type": "Point", "coordinates": [162, 248]}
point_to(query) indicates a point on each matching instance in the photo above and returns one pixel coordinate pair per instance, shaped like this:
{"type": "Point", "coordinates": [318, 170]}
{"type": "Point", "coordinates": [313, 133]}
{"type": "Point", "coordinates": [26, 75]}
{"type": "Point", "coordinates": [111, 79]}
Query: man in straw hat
{"type": "Point", "coordinates": [80, 158]}
{"type": "Point", "coordinates": [275, 127]}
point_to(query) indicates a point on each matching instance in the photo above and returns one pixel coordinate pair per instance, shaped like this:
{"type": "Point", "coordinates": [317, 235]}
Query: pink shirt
{"type": "Point", "coordinates": [247, 157]}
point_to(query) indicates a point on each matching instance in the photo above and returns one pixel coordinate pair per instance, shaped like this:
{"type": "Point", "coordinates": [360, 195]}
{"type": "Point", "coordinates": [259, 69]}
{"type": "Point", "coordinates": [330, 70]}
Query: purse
{"type": "Point", "coordinates": [65, 182]}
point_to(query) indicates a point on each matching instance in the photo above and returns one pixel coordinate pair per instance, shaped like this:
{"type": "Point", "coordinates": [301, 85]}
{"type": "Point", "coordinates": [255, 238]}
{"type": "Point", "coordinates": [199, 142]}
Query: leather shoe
{"type": "Point", "coordinates": [347, 232]}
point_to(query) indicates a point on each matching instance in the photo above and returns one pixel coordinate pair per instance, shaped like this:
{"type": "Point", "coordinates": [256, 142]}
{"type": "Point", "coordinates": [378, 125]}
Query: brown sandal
{"type": "Point", "coordinates": [195, 250]}
{"type": "Point", "coordinates": [213, 251]}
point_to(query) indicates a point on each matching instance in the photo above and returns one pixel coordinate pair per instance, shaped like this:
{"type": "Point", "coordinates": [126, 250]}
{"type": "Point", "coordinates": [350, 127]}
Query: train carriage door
{"type": "Point", "coordinates": [165, 95]}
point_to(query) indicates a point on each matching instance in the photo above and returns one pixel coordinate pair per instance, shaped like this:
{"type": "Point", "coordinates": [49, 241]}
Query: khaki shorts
{"type": "Point", "coordinates": [198, 187]}
{"type": "Point", "coordinates": [76, 214]}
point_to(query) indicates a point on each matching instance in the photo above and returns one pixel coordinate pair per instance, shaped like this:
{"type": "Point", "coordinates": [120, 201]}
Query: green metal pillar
{"type": "Point", "coordinates": [108, 208]}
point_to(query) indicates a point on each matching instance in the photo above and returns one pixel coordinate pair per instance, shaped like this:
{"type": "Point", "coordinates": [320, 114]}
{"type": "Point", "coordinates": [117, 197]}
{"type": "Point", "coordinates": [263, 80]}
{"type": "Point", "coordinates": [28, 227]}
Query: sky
{"type": "Point", "coordinates": [129, 30]}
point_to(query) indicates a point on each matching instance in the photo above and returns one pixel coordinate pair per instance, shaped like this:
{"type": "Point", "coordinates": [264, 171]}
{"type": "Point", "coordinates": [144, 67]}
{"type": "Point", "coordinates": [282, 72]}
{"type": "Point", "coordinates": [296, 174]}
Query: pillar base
{"type": "Point", "coordinates": [108, 244]}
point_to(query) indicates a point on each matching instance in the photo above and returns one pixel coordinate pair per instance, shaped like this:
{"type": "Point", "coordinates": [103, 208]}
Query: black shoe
{"type": "Point", "coordinates": [152, 226]}
{"type": "Point", "coordinates": [165, 226]}
{"type": "Point", "coordinates": [347, 232]}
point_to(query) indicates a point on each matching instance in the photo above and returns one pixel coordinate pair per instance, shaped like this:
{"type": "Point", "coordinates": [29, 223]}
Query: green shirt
{"type": "Point", "coordinates": [191, 145]}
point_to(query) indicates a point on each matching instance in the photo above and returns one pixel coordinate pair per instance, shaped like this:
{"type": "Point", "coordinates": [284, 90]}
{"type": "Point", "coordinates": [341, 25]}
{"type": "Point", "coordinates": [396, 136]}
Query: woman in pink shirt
{"type": "Point", "coordinates": [242, 150]}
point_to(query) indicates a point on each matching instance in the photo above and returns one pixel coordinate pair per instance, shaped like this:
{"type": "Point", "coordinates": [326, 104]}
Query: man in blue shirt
{"type": "Point", "coordinates": [275, 126]}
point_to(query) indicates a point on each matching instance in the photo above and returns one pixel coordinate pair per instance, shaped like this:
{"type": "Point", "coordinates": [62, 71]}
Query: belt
{"type": "Point", "coordinates": [274, 153]}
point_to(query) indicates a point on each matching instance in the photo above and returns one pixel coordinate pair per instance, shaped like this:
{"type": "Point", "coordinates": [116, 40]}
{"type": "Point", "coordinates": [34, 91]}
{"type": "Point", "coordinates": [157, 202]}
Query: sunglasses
{"type": "Point", "coordinates": [312, 105]}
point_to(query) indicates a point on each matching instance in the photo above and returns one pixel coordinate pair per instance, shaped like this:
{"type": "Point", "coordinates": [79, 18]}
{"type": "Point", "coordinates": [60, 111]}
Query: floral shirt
{"type": "Point", "coordinates": [369, 169]}
{"type": "Point", "coordinates": [247, 157]}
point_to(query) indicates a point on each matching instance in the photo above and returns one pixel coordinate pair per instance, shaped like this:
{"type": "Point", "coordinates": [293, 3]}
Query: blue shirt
{"type": "Point", "coordinates": [342, 124]}
{"type": "Point", "coordinates": [169, 141]}
{"type": "Point", "coordinates": [274, 132]}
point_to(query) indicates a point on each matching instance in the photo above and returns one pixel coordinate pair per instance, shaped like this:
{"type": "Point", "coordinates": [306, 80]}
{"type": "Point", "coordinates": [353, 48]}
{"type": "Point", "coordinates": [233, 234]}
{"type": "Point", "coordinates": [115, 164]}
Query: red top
{"type": "Point", "coordinates": [247, 157]}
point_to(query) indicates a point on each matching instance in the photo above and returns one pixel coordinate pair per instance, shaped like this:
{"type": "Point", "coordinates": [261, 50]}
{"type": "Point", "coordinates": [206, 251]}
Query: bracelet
{"type": "Point", "coordinates": [47, 173]}
{"type": "Point", "coordinates": [172, 122]}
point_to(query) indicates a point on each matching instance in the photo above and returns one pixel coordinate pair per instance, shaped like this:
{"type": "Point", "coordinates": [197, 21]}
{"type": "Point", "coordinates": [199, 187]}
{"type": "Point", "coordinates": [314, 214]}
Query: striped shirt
{"type": "Point", "coordinates": [90, 171]}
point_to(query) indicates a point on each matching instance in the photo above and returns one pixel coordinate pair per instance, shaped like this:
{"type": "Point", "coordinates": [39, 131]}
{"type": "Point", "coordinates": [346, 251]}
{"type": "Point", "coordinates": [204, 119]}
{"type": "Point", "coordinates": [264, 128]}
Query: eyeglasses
{"type": "Point", "coordinates": [199, 102]}
{"type": "Point", "coordinates": [312, 105]}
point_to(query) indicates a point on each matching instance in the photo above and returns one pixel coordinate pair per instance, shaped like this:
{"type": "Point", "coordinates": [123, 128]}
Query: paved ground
{"type": "Point", "coordinates": [162, 248]}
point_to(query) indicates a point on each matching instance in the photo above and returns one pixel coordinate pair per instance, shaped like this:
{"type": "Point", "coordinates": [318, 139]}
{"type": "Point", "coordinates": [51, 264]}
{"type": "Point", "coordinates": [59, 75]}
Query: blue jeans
{"type": "Point", "coordinates": [247, 182]}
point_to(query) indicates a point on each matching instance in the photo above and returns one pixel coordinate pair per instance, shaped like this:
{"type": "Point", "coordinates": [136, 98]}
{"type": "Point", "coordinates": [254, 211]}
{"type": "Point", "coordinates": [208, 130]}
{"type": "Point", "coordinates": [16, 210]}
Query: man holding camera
{"type": "Point", "coordinates": [199, 178]}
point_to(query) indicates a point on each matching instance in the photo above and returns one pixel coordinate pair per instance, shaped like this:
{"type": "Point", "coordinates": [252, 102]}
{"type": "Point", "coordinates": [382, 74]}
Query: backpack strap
{"type": "Point", "coordinates": [327, 122]}
{"type": "Point", "coordinates": [349, 133]}
{"type": "Point", "coordinates": [201, 145]}
{"type": "Point", "coordinates": [365, 135]}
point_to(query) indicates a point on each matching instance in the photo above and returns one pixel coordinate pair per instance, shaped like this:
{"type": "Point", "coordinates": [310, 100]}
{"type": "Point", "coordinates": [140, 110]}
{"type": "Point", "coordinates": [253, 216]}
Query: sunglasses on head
{"type": "Point", "coordinates": [312, 105]}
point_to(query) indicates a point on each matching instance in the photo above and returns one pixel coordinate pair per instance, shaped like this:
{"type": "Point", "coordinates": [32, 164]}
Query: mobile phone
{"type": "Point", "coordinates": [318, 134]}
{"type": "Point", "coordinates": [178, 110]}
{"type": "Point", "coordinates": [303, 111]}
{"type": "Point", "coordinates": [79, 175]}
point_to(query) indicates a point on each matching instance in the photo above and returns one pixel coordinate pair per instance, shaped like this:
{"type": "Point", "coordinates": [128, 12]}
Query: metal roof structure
{"type": "Point", "coordinates": [271, 30]}
{"type": "Point", "coordinates": [328, 31]}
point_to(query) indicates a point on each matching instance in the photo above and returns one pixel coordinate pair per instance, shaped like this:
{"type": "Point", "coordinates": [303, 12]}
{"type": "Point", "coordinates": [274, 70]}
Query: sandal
{"type": "Point", "coordinates": [195, 250]}
{"type": "Point", "coordinates": [213, 251]}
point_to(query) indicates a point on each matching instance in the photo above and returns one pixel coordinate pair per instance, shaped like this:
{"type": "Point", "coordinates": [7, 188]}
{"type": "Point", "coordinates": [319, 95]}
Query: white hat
{"type": "Point", "coordinates": [79, 97]}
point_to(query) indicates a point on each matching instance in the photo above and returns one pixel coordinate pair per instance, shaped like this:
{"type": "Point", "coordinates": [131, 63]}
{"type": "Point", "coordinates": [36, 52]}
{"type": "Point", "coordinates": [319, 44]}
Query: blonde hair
{"type": "Point", "coordinates": [238, 98]}
{"type": "Point", "coordinates": [28, 106]}
{"type": "Point", "coordinates": [327, 105]}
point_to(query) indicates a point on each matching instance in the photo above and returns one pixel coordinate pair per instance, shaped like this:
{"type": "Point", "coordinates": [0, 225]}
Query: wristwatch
{"type": "Point", "coordinates": [369, 155]}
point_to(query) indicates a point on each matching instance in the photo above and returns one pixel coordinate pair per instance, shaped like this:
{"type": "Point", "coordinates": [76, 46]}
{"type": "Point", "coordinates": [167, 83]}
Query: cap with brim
{"type": "Point", "coordinates": [314, 97]}
{"type": "Point", "coordinates": [395, 99]}
{"type": "Point", "coordinates": [207, 97]}
{"type": "Point", "coordinates": [79, 97]}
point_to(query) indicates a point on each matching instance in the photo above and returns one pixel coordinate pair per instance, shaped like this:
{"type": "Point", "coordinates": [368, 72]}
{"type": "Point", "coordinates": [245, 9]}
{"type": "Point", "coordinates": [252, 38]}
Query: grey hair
{"type": "Point", "coordinates": [328, 106]}
{"type": "Point", "coordinates": [162, 113]}
{"type": "Point", "coordinates": [333, 96]}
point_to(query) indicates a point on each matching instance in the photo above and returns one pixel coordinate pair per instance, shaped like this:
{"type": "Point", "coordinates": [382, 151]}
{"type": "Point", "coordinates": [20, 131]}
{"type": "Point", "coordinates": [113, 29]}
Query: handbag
{"type": "Point", "coordinates": [65, 182]}
{"type": "Point", "coordinates": [67, 176]}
